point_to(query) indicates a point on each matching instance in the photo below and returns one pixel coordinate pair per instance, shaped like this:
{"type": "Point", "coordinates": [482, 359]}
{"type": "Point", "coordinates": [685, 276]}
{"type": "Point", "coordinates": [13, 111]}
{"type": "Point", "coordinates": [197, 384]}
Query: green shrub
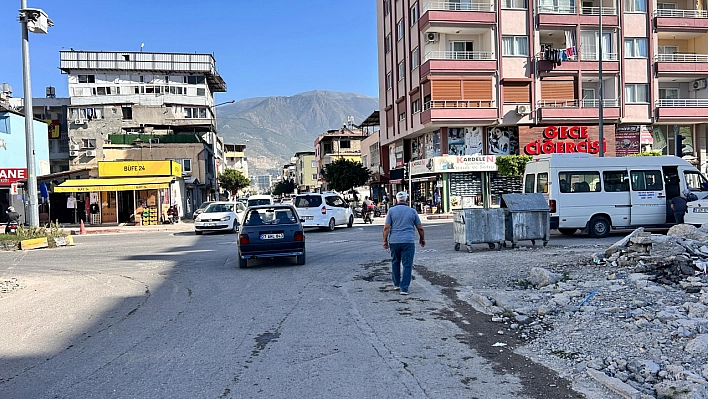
{"type": "Point", "coordinates": [647, 154]}
{"type": "Point", "coordinates": [512, 165]}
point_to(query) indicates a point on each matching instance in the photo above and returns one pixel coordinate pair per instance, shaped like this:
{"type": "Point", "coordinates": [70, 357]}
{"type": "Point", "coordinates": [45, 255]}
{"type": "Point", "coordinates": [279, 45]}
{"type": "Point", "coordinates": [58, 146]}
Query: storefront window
{"type": "Point", "coordinates": [432, 144]}
{"type": "Point", "coordinates": [503, 140]}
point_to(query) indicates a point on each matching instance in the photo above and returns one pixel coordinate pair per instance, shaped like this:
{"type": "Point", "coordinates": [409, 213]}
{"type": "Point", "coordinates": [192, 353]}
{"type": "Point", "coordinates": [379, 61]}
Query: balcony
{"type": "Point", "coordinates": [680, 20]}
{"type": "Point", "coordinates": [681, 63]}
{"type": "Point", "coordinates": [588, 63]}
{"type": "Point", "coordinates": [681, 109]}
{"type": "Point", "coordinates": [440, 13]}
{"type": "Point", "coordinates": [567, 14]}
{"type": "Point", "coordinates": [452, 111]}
{"type": "Point", "coordinates": [458, 61]}
{"type": "Point", "coordinates": [574, 109]}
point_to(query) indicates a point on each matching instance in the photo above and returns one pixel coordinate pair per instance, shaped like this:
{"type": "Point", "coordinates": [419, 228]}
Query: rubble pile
{"type": "Point", "coordinates": [9, 285]}
{"type": "Point", "coordinates": [636, 314]}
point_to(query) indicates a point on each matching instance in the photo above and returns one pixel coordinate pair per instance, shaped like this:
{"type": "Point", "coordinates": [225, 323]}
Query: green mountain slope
{"type": "Point", "coordinates": [274, 128]}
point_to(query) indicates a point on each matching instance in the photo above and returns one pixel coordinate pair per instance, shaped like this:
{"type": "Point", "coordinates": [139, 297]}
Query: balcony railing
{"type": "Point", "coordinates": [596, 10]}
{"type": "Point", "coordinates": [452, 6]}
{"type": "Point", "coordinates": [677, 57]}
{"type": "Point", "coordinates": [575, 103]}
{"type": "Point", "coordinates": [592, 56]}
{"type": "Point", "coordinates": [551, 9]}
{"type": "Point", "coordinates": [459, 55]}
{"type": "Point", "coordinates": [438, 104]}
{"type": "Point", "coordinates": [681, 13]}
{"type": "Point", "coordinates": [687, 103]}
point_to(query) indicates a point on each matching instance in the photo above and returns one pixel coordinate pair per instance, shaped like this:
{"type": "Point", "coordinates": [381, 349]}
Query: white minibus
{"type": "Point", "coordinates": [596, 194]}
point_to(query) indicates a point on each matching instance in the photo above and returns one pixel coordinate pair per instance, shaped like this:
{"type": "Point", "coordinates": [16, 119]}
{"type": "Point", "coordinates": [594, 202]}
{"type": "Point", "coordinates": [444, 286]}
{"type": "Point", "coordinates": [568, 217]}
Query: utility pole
{"type": "Point", "coordinates": [600, 111]}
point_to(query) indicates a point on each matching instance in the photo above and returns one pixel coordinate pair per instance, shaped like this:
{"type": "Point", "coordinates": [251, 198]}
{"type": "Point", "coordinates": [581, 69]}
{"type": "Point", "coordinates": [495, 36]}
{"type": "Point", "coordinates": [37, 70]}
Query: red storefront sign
{"type": "Point", "coordinates": [12, 175]}
{"type": "Point", "coordinates": [557, 139]}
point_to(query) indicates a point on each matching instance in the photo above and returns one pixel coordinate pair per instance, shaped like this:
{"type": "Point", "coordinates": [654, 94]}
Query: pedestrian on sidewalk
{"type": "Point", "coordinates": [399, 237]}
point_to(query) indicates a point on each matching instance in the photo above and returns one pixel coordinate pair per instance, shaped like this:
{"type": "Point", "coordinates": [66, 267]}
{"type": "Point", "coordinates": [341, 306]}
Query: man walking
{"type": "Point", "coordinates": [679, 206]}
{"type": "Point", "coordinates": [399, 235]}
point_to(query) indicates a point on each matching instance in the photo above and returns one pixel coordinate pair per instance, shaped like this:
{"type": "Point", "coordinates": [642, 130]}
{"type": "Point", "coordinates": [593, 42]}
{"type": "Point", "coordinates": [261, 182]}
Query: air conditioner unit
{"type": "Point", "coordinates": [74, 147]}
{"type": "Point", "coordinates": [73, 153]}
{"type": "Point", "coordinates": [79, 122]}
{"type": "Point", "coordinates": [523, 109]}
{"type": "Point", "coordinates": [699, 84]}
{"type": "Point", "coordinates": [432, 37]}
{"type": "Point", "coordinates": [91, 153]}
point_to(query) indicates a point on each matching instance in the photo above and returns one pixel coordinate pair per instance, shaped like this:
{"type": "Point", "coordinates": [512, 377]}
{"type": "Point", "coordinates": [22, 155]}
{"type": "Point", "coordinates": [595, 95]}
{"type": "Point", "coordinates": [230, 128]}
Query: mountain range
{"type": "Point", "coordinates": [275, 128]}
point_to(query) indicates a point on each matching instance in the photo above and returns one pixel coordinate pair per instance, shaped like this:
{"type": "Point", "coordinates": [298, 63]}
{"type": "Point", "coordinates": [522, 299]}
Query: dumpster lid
{"type": "Point", "coordinates": [525, 202]}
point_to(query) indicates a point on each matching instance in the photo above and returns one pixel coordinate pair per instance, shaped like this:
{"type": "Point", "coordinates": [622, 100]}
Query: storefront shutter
{"type": "Point", "coordinates": [517, 92]}
{"type": "Point", "coordinates": [446, 90]}
{"type": "Point", "coordinates": [557, 89]}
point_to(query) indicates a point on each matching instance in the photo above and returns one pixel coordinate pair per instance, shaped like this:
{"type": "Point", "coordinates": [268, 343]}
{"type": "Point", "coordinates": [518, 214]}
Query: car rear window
{"type": "Point", "coordinates": [256, 202]}
{"type": "Point", "coordinates": [257, 217]}
{"type": "Point", "coordinates": [213, 208]}
{"type": "Point", "coordinates": [308, 201]}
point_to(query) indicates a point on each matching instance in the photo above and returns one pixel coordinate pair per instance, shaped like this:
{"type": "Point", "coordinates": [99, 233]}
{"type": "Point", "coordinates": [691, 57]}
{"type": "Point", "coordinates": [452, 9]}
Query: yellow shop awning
{"type": "Point", "coordinates": [115, 184]}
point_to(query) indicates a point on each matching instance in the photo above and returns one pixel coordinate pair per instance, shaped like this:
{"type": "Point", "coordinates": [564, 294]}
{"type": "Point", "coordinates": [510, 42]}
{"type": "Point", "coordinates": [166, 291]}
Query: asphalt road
{"type": "Point", "coordinates": [157, 315]}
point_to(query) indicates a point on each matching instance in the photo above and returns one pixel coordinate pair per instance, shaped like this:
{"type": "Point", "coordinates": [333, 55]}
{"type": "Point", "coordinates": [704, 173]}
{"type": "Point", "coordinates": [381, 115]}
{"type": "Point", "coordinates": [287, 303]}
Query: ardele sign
{"type": "Point", "coordinates": [9, 176]}
{"type": "Point", "coordinates": [562, 139]}
{"type": "Point", "coordinates": [454, 163]}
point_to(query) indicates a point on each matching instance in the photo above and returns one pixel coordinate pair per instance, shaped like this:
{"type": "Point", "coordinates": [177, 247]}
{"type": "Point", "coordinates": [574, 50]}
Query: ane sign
{"type": "Point", "coordinates": [12, 175]}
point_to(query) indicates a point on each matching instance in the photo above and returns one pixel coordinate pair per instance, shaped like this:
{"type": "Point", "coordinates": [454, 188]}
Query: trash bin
{"type": "Point", "coordinates": [478, 225]}
{"type": "Point", "coordinates": [527, 217]}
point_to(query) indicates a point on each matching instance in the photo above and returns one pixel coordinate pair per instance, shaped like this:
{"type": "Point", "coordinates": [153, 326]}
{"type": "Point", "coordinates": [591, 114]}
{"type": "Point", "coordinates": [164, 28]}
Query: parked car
{"type": "Point", "coordinates": [220, 216]}
{"type": "Point", "coordinates": [323, 210]}
{"type": "Point", "coordinates": [256, 200]}
{"type": "Point", "coordinates": [201, 208]}
{"type": "Point", "coordinates": [271, 231]}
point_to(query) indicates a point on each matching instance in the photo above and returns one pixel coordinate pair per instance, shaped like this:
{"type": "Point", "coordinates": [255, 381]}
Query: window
{"type": "Point", "coordinates": [635, 47]}
{"type": "Point", "coordinates": [646, 180]}
{"type": "Point", "coordinates": [194, 80]}
{"type": "Point", "coordinates": [87, 79]}
{"type": "Point", "coordinates": [415, 59]}
{"type": "Point", "coordinates": [515, 45]}
{"type": "Point", "coordinates": [345, 144]}
{"type": "Point", "coordinates": [201, 92]}
{"type": "Point", "coordinates": [402, 116]}
{"type": "Point", "coordinates": [335, 201]}
{"type": "Point", "coordinates": [101, 91]}
{"type": "Point", "coordinates": [186, 165]}
{"type": "Point", "coordinates": [616, 181]}
{"type": "Point", "coordinates": [127, 112]}
{"type": "Point", "coordinates": [387, 7]}
{"type": "Point", "coordinates": [88, 143]}
{"type": "Point", "coordinates": [327, 148]}
{"type": "Point", "coordinates": [514, 4]}
{"type": "Point", "coordinates": [314, 176]}
{"type": "Point", "coordinates": [365, 161]}
{"type": "Point", "coordinates": [666, 6]}
{"type": "Point", "coordinates": [462, 50]}
{"type": "Point", "coordinates": [694, 180]}
{"type": "Point", "coordinates": [528, 184]}
{"type": "Point", "coordinates": [389, 81]}
{"type": "Point", "coordinates": [415, 106]}
{"type": "Point", "coordinates": [195, 113]}
{"type": "Point", "coordinates": [399, 30]}
{"type": "Point", "coordinates": [579, 182]}
{"type": "Point", "coordinates": [636, 93]}
{"type": "Point", "coordinates": [589, 41]}
{"type": "Point", "coordinates": [414, 14]}
{"type": "Point", "coordinates": [542, 183]}
{"type": "Point", "coordinates": [669, 94]}
{"type": "Point", "coordinates": [176, 90]}
{"type": "Point", "coordinates": [401, 70]}
{"type": "Point", "coordinates": [387, 43]}
{"type": "Point", "coordinates": [635, 5]}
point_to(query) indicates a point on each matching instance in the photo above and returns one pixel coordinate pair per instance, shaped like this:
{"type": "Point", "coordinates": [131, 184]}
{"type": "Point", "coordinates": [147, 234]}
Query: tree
{"type": "Point", "coordinates": [284, 187]}
{"type": "Point", "coordinates": [343, 175]}
{"type": "Point", "coordinates": [232, 181]}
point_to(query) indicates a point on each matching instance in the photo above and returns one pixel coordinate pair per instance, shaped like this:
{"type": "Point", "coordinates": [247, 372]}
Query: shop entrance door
{"type": "Point", "coordinates": [109, 207]}
{"type": "Point", "coordinates": [126, 206]}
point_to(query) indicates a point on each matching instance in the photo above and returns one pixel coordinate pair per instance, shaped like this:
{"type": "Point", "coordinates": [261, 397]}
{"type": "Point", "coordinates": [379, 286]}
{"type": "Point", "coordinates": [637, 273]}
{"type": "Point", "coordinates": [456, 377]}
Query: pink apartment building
{"type": "Point", "coordinates": [496, 77]}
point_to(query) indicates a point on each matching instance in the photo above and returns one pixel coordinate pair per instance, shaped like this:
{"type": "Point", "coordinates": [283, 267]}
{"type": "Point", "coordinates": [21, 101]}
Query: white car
{"type": "Point", "coordinates": [256, 200]}
{"type": "Point", "coordinates": [220, 216]}
{"type": "Point", "coordinates": [323, 210]}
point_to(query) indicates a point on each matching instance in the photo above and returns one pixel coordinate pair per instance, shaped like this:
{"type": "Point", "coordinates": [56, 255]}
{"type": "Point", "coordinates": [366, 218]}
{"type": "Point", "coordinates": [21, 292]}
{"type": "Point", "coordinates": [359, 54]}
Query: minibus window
{"type": "Point", "coordinates": [542, 183]}
{"type": "Point", "coordinates": [694, 180]}
{"type": "Point", "coordinates": [528, 184]}
{"type": "Point", "coordinates": [616, 181]}
{"type": "Point", "coordinates": [579, 182]}
{"type": "Point", "coordinates": [646, 180]}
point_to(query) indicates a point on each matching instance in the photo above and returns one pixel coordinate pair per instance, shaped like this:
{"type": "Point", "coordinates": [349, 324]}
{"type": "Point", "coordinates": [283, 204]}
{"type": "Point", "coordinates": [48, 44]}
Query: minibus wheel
{"type": "Point", "coordinates": [599, 227]}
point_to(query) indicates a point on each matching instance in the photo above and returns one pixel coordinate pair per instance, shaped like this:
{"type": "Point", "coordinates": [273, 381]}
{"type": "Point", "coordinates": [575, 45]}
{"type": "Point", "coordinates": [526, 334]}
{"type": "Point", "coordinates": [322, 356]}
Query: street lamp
{"type": "Point", "coordinates": [600, 111]}
{"type": "Point", "coordinates": [213, 148]}
{"type": "Point", "coordinates": [36, 21]}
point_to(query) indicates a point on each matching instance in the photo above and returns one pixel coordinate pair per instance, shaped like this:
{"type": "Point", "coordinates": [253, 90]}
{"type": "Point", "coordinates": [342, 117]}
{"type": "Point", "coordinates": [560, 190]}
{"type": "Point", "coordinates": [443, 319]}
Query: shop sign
{"type": "Point", "coordinates": [399, 153]}
{"type": "Point", "coordinates": [139, 168]}
{"type": "Point", "coordinates": [9, 176]}
{"type": "Point", "coordinates": [555, 140]}
{"type": "Point", "coordinates": [453, 163]}
{"type": "Point", "coordinates": [627, 140]}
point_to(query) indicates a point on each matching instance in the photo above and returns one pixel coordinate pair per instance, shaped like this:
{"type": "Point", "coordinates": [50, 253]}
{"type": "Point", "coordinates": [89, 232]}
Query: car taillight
{"type": "Point", "coordinates": [324, 210]}
{"type": "Point", "coordinates": [299, 236]}
{"type": "Point", "coordinates": [552, 205]}
{"type": "Point", "coordinates": [243, 239]}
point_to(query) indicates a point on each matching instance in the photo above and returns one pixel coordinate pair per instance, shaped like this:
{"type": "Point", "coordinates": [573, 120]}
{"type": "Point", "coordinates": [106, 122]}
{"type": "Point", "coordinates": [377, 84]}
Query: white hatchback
{"type": "Point", "coordinates": [323, 210]}
{"type": "Point", "coordinates": [220, 216]}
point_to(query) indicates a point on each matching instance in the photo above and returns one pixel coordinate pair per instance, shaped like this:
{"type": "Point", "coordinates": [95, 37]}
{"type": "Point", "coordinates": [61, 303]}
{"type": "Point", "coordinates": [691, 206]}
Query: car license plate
{"type": "Point", "coordinates": [700, 210]}
{"type": "Point", "coordinates": [209, 224]}
{"type": "Point", "coordinates": [309, 217]}
{"type": "Point", "coordinates": [271, 236]}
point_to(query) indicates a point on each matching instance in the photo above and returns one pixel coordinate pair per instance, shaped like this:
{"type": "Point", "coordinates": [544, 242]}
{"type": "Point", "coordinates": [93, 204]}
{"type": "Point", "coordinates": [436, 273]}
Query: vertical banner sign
{"type": "Point", "coordinates": [627, 140]}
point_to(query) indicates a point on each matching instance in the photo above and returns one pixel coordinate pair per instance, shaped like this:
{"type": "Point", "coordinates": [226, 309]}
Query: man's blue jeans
{"type": "Point", "coordinates": [402, 254]}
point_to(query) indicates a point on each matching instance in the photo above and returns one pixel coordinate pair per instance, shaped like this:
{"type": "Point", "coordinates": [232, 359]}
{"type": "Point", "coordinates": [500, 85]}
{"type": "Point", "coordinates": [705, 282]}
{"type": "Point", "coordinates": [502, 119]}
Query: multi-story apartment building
{"type": "Point", "coordinates": [116, 93]}
{"type": "Point", "coordinates": [306, 172]}
{"type": "Point", "coordinates": [235, 158]}
{"type": "Point", "coordinates": [344, 143]}
{"type": "Point", "coordinates": [502, 77]}
{"type": "Point", "coordinates": [263, 183]}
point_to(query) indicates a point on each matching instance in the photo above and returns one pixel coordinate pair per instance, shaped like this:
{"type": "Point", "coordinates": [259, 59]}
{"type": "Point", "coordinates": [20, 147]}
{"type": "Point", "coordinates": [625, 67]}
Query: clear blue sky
{"type": "Point", "coordinates": [262, 48]}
